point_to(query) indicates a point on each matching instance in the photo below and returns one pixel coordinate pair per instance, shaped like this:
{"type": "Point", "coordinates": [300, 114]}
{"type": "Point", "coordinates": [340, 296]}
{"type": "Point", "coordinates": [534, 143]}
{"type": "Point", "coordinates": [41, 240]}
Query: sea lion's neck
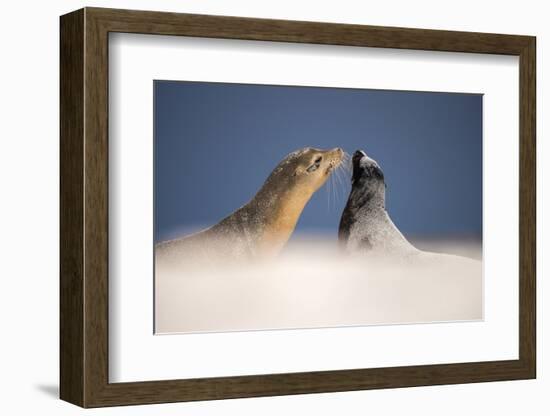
{"type": "Point", "coordinates": [279, 211]}
{"type": "Point", "coordinates": [361, 203]}
{"type": "Point", "coordinates": [267, 221]}
{"type": "Point", "coordinates": [374, 230]}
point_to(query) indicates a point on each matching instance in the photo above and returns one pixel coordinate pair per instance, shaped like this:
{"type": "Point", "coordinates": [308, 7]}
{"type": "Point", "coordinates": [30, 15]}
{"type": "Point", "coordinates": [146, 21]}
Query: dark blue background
{"type": "Point", "coordinates": [216, 143]}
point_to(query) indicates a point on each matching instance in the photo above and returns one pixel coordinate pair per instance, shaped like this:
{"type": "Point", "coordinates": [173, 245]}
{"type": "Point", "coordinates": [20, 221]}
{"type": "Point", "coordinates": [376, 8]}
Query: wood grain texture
{"type": "Point", "coordinates": [72, 215]}
{"type": "Point", "coordinates": [162, 23]}
{"type": "Point", "coordinates": [96, 208]}
{"type": "Point", "coordinates": [527, 208]}
{"type": "Point", "coordinates": [84, 207]}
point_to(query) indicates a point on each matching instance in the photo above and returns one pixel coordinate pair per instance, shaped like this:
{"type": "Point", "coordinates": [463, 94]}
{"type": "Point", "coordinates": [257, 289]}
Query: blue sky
{"type": "Point", "coordinates": [216, 143]}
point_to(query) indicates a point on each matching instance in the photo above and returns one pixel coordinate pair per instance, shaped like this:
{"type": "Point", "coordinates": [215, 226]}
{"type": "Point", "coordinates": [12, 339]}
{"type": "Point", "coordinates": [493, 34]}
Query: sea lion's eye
{"type": "Point", "coordinates": [315, 165]}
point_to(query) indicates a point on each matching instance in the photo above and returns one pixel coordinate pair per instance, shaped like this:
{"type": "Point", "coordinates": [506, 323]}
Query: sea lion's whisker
{"type": "Point", "coordinates": [337, 172]}
{"type": "Point", "coordinates": [341, 181]}
{"type": "Point", "coordinates": [331, 191]}
{"type": "Point", "coordinates": [347, 168]}
{"type": "Point", "coordinates": [343, 175]}
{"type": "Point", "coordinates": [328, 195]}
{"type": "Point", "coordinates": [335, 190]}
{"type": "Point", "coordinates": [337, 176]}
{"type": "Point", "coordinates": [347, 163]}
{"type": "Point", "coordinates": [334, 185]}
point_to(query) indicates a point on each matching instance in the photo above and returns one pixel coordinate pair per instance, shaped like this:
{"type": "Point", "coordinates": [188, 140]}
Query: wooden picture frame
{"type": "Point", "coordinates": [84, 207]}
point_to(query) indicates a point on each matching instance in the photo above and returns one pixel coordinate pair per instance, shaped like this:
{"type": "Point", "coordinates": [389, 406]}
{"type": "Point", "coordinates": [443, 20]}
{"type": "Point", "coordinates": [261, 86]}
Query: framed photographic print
{"type": "Point", "coordinates": [255, 207]}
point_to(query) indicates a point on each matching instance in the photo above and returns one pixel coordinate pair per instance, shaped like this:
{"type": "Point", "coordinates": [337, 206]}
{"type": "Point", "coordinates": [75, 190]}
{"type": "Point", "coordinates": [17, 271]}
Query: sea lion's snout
{"type": "Point", "coordinates": [337, 155]}
{"type": "Point", "coordinates": [333, 159]}
{"type": "Point", "coordinates": [358, 155]}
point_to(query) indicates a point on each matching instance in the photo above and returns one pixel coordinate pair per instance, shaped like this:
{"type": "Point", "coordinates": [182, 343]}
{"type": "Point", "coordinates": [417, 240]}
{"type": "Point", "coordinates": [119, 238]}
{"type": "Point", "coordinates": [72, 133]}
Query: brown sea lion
{"type": "Point", "coordinates": [261, 227]}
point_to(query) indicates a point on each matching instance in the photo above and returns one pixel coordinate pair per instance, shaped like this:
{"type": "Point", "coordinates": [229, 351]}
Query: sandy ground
{"type": "Point", "coordinates": [314, 285]}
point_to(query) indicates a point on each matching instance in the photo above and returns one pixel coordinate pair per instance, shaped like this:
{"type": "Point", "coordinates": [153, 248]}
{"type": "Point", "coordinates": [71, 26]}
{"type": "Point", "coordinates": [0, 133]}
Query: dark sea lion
{"type": "Point", "coordinates": [261, 227]}
{"type": "Point", "coordinates": [365, 225]}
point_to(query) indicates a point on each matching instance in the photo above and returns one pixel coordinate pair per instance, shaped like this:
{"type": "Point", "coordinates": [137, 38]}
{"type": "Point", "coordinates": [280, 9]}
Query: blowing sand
{"type": "Point", "coordinates": [314, 285]}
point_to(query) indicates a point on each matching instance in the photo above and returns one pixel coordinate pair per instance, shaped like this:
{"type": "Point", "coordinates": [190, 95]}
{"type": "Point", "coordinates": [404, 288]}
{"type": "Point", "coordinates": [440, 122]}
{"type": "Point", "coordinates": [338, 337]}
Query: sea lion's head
{"type": "Point", "coordinates": [366, 171]}
{"type": "Point", "coordinates": [308, 168]}
{"type": "Point", "coordinates": [314, 166]}
{"type": "Point", "coordinates": [367, 180]}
